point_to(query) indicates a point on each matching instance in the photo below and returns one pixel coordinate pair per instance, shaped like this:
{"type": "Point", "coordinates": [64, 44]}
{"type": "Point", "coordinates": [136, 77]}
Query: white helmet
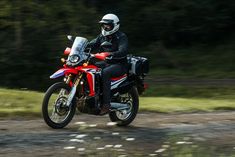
{"type": "Point", "coordinates": [109, 24]}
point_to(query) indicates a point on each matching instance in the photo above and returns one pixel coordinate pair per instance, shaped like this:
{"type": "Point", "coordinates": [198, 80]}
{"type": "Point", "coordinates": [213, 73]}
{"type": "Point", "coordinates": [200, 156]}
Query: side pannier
{"type": "Point", "coordinates": [138, 65]}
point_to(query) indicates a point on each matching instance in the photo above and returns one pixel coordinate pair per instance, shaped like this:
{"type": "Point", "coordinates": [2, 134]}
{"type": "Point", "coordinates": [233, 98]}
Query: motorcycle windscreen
{"type": "Point", "coordinates": [78, 48]}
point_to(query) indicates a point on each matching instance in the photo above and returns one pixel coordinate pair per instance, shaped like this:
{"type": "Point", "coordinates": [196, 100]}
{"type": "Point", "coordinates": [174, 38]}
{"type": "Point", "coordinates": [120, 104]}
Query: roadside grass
{"type": "Point", "coordinates": [179, 98]}
{"type": "Point", "coordinates": [164, 99]}
{"type": "Point", "coordinates": [20, 103]}
{"type": "Point", "coordinates": [185, 105]}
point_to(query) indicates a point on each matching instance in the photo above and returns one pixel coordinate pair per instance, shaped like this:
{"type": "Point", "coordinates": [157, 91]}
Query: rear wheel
{"type": "Point", "coordinates": [125, 117]}
{"type": "Point", "coordinates": [54, 109]}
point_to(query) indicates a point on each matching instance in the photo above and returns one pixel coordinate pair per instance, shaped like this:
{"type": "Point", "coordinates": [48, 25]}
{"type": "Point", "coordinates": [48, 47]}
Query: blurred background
{"type": "Point", "coordinates": [191, 48]}
{"type": "Point", "coordinates": [182, 39]}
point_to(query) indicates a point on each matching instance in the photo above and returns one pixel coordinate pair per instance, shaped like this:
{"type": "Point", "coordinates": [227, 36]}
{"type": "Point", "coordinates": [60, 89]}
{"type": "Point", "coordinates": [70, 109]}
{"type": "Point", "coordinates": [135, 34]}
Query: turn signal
{"type": "Point", "coordinates": [62, 60]}
{"type": "Point", "coordinates": [85, 64]}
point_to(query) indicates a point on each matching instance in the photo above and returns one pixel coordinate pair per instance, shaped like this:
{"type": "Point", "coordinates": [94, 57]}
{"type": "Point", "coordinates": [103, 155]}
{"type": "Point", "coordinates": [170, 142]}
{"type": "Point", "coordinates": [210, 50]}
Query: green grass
{"type": "Point", "coordinates": [178, 98]}
{"type": "Point", "coordinates": [171, 104]}
{"type": "Point", "coordinates": [20, 102]}
{"type": "Point", "coordinates": [167, 99]}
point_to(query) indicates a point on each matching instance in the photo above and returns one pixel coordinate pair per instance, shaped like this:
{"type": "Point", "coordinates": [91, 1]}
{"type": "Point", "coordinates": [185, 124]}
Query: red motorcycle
{"type": "Point", "coordinates": [81, 87]}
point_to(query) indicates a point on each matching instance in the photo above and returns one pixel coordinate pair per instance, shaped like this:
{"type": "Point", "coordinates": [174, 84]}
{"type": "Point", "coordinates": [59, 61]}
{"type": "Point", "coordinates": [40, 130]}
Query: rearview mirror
{"type": "Point", "coordinates": [70, 37]}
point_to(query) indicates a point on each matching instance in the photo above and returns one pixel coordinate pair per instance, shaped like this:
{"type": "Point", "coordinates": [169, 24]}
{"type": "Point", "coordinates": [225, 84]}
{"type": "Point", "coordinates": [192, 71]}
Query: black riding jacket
{"type": "Point", "coordinates": [118, 49]}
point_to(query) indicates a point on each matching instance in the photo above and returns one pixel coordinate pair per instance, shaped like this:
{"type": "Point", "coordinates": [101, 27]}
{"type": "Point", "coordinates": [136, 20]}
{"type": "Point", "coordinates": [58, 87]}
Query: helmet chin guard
{"type": "Point", "coordinates": [113, 21]}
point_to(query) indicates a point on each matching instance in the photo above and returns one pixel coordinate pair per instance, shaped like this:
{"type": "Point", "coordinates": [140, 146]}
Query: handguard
{"type": "Point", "coordinates": [102, 55]}
{"type": "Point", "coordinates": [67, 51]}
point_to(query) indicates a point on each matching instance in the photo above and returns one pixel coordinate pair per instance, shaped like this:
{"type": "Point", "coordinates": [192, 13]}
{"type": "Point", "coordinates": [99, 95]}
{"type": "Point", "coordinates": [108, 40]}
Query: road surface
{"type": "Point", "coordinates": [151, 134]}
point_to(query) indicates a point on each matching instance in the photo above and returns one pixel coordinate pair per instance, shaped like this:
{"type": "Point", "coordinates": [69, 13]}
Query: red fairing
{"type": "Point", "coordinates": [63, 71]}
{"type": "Point", "coordinates": [85, 68]}
{"type": "Point", "coordinates": [67, 51]}
{"type": "Point", "coordinates": [70, 71]}
{"type": "Point", "coordinates": [90, 67]}
{"type": "Point", "coordinates": [90, 77]}
{"type": "Point", "coordinates": [102, 55]}
{"type": "Point", "coordinates": [89, 70]}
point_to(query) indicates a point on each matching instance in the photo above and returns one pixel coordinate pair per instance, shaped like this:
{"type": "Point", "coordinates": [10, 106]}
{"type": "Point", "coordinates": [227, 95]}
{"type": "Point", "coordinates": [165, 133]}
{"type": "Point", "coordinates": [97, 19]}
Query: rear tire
{"type": "Point", "coordinates": [133, 110]}
{"type": "Point", "coordinates": [58, 108]}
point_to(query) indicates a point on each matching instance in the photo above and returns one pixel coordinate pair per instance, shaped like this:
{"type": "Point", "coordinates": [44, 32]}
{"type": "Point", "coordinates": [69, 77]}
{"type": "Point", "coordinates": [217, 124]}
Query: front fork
{"type": "Point", "coordinates": [73, 88]}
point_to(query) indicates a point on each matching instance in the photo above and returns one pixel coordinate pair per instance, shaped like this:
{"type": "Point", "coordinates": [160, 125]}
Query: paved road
{"type": "Point", "coordinates": [151, 134]}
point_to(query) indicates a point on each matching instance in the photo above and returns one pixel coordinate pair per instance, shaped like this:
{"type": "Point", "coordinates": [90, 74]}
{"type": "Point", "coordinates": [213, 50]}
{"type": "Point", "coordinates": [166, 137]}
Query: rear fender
{"type": "Point", "coordinates": [62, 72]}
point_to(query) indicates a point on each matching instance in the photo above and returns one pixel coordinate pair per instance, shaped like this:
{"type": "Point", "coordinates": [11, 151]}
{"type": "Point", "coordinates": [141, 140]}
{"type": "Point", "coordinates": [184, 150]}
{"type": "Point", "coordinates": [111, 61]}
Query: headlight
{"type": "Point", "coordinates": [74, 58]}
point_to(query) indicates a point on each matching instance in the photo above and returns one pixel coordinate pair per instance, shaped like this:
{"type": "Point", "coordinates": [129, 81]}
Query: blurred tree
{"type": "Point", "coordinates": [33, 33]}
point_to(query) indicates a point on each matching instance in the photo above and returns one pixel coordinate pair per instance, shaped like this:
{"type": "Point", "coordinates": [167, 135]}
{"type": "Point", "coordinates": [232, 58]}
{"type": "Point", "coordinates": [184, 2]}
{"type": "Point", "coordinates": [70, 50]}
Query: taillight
{"type": "Point", "coordinates": [145, 85]}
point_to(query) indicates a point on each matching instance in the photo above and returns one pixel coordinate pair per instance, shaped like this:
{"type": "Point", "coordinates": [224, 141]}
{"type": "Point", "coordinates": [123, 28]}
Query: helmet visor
{"type": "Point", "coordinates": [107, 27]}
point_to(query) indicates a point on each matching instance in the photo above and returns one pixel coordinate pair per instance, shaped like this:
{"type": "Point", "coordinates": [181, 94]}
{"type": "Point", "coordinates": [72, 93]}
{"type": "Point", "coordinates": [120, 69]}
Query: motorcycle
{"type": "Point", "coordinates": [81, 87]}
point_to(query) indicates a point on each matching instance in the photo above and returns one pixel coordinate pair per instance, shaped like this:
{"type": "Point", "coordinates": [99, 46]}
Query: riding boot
{"type": "Point", "coordinates": [105, 109]}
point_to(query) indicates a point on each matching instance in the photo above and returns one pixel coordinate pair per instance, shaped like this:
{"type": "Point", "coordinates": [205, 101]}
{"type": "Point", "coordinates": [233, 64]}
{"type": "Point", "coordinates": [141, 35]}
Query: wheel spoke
{"type": "Point", "coordinates": [55, 112]}
{"type": "Point", "coordinates": [54, 116]}
{"type": "Point", "coordinates": [58, 115]}
{"type": "Point", "coordinates": [125, 114]}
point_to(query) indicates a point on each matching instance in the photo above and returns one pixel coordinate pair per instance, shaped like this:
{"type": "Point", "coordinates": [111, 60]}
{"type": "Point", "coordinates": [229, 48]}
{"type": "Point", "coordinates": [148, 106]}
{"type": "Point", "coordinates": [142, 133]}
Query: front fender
{"type": "Point", "coordinates": [62, 72]}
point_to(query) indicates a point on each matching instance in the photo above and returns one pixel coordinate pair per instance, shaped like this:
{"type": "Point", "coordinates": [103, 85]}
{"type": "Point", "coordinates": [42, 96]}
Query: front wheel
{"type": "Point", "coordinates": [125, 117]}
{"type": "Point", "coordinates": [55, 112]}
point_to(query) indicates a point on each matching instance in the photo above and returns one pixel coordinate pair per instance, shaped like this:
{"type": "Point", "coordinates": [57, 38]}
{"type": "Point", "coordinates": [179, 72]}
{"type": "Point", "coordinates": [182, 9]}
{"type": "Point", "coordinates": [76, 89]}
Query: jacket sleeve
{"type": "Point", "coordinates": [94, 44]}
{"type": "Point", "coordinates": [122, 47]}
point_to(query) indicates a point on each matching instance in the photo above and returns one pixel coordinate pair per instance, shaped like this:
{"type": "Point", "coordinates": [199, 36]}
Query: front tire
{"type": "Point", "coordinates": [134, 107]}
{"type": "Point", "coordinates": [54, 110]}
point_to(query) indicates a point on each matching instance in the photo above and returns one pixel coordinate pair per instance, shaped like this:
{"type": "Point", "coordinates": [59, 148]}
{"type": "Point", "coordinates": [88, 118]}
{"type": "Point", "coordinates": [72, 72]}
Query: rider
{"type": "Point", "coordinates": [116, 65]}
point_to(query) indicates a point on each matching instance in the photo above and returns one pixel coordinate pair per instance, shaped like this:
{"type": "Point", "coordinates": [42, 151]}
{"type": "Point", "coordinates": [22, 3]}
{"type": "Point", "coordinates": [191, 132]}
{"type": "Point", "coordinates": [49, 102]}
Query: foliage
{"type": "Point", "coordinates": [34, 36]}
{"type": "Point", "coordinates": [33, 33]}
